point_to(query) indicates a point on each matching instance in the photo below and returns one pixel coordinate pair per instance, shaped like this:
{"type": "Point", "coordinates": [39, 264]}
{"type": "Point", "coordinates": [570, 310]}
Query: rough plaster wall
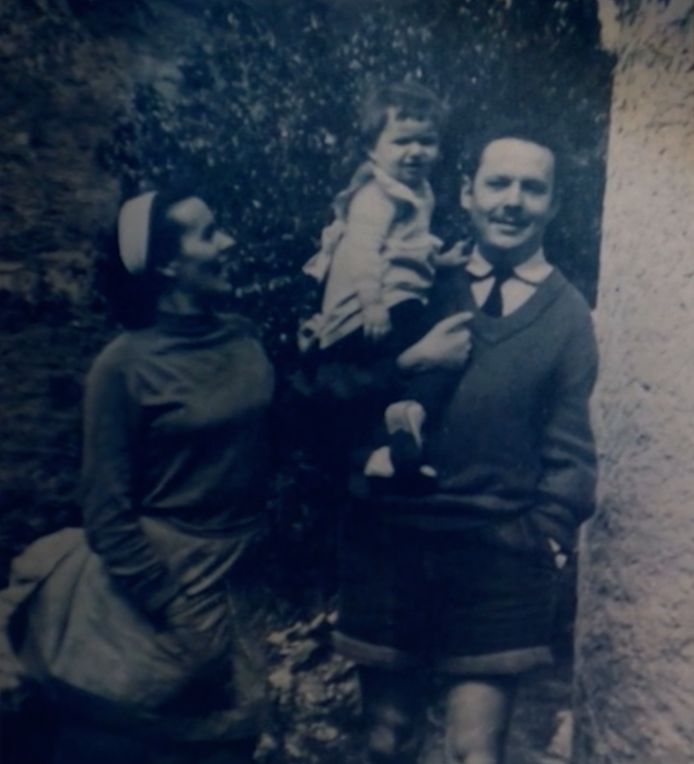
{"type": "Point", "coordinates": [635, 650]}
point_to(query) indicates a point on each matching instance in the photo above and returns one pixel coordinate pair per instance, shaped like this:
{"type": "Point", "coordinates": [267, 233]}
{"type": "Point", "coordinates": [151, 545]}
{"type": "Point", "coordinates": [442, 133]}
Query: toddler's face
{"type": "Point", "coordinates": [407, 148]}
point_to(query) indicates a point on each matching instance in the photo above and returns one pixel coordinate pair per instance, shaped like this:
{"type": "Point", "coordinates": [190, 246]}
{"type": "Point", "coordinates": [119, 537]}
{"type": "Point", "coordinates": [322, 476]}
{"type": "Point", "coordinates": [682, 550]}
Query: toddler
{"type": "Point", "coordinates": [378, 259]}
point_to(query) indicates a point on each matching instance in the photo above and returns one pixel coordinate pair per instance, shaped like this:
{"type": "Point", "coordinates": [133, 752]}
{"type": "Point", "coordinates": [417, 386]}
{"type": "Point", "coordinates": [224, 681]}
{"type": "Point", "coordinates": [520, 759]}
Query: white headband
{"type": "Point", "coordinates": [133, 232]}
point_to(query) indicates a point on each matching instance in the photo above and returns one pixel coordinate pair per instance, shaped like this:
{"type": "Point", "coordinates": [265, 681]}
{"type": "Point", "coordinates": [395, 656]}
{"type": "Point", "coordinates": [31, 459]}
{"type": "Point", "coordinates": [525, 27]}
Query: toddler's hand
{"type": "Point", "coordinates": [451, 257]}
{"type": "Point", "coordinates": [376, 321]}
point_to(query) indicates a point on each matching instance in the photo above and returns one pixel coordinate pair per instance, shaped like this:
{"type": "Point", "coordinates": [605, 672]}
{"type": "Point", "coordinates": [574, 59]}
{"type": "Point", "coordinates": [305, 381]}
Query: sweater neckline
{"type": "Point", "coordinates": [188, 325]}
{"type": "Point", "coordinates": [495, 329]}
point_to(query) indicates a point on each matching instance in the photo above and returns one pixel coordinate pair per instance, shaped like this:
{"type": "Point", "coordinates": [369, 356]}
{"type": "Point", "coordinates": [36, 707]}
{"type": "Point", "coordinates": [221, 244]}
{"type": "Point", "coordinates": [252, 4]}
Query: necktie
{"type": "Point", "coordinates": [493, 305]}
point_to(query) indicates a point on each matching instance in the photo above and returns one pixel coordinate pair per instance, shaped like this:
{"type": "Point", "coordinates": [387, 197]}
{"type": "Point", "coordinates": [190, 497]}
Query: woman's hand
{"type": "Point", "coordinates": [446, 346]}
{"type": "Point", "coordinates": [199, 623]}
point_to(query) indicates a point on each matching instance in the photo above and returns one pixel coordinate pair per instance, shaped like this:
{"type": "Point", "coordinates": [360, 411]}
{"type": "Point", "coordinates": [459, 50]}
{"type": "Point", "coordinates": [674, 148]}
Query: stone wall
{"type": "Point", "coordinates": [68, 68]}
{"type": "Point", "coordinates": [635, 654]}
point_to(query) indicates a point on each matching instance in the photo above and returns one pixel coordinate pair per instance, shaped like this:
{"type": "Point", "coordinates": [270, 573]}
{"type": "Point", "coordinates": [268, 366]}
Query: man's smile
{"type": "Point", "coordinates": [510, 225]}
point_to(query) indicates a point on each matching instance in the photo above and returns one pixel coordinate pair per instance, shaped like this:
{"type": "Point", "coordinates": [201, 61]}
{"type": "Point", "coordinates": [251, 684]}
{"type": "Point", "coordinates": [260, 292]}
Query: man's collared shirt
{"type": "Point", "coordinates": [518, 289]}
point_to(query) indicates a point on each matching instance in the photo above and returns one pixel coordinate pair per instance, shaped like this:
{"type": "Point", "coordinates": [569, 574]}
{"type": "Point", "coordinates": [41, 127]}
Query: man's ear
{"type": "Point", "coordinates": [466, 192]}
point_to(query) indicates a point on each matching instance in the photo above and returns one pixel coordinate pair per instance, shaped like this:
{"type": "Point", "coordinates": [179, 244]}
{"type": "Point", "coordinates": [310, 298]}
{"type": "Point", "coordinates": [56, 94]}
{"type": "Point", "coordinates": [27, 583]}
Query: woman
{"type": "Point", "coordinates": [141, 625]}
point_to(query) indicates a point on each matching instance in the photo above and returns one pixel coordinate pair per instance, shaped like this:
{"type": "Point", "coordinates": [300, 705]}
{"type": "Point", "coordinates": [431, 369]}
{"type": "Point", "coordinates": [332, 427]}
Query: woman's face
{"type": "Point", "coordinates": [199, 268]}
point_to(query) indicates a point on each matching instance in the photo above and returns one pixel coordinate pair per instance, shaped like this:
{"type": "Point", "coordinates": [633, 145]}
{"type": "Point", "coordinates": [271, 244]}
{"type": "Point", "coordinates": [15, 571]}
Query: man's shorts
{"type": "Point", "coordinates": [460, 602]}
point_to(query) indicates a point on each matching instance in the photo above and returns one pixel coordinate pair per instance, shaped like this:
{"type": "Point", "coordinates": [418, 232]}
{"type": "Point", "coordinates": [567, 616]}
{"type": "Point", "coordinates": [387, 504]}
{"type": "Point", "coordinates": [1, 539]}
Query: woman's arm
{"type": "Point", "coordinates": [110, 517]}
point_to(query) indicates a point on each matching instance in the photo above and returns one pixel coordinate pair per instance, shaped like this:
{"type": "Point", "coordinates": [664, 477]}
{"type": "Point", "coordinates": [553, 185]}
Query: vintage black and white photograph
{"type": "Point", "coordinates": [347, 412]}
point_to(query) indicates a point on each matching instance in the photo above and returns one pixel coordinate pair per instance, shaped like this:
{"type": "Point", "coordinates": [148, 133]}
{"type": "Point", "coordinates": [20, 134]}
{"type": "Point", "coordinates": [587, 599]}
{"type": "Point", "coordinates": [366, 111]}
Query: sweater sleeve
{"type": "Point", "coordinates": [566, 490]}
{"type": "Point", "coordinates": [111, 521]}
{"type": "Point", "coordinates": [369, 220]}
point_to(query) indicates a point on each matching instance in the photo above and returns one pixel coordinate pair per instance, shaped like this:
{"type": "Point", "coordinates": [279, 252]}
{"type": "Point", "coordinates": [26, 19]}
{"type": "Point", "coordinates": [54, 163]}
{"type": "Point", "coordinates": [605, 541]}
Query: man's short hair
{"type": "Point", "coordinates": [544, 136]}
{"type": "Point", "coordinates": [410, 101]}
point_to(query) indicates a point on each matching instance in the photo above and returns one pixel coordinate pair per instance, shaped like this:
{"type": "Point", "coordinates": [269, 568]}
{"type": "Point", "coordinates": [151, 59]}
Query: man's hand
{"type": "Point", "coordinates": [376, 321]}
{"type": "Point", "coordinates": [446, 346]}
{"type": "Point", "coordinates": [560, 557]}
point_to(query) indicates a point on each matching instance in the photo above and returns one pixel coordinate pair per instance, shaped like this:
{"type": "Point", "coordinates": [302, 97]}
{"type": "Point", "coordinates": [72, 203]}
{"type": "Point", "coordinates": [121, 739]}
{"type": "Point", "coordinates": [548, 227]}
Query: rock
{"type": "Point", "coordinates": [635, 662]}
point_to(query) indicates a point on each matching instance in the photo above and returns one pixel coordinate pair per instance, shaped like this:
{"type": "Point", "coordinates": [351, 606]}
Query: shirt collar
{"type": "Point", "coordinates": [188, 324]}
{"type": "Point", "coordinates": [399, 190]}
{"type": "Point", "coordinates": [533, 270]}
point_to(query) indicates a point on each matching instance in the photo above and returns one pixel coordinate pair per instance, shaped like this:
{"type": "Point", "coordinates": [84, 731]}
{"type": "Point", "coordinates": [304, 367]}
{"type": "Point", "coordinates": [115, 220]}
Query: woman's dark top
{"type": "Point", "coordinates": [175, 428]}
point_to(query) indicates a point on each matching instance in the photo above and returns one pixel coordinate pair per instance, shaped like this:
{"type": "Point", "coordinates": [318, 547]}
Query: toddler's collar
{"type": "Point", "coordinates": [397, 189]}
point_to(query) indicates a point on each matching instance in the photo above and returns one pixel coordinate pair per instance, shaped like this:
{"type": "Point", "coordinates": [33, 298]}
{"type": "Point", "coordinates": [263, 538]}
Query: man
{"type": "Point", "coordinates": [456, 590]}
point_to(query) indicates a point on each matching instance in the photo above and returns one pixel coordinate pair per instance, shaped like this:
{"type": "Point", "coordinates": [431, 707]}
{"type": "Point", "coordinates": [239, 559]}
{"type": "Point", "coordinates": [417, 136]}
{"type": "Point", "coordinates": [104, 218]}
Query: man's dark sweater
{"type": "Point", "coordinates": [515, 438]}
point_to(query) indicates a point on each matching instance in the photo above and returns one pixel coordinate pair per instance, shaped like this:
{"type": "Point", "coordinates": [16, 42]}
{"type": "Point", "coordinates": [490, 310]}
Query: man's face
{"type": "Point", "coordinates": [511, 199]}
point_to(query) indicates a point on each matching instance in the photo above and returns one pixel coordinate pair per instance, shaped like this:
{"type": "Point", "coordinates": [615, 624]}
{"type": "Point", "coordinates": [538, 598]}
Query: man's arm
{"type": "Point", "coordinates": [446, 346]}
{"type": "Point", "coordinates": [566, 490]}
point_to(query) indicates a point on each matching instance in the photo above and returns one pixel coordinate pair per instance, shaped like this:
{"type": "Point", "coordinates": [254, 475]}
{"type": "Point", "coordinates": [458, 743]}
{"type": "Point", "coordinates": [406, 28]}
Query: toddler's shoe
{"type": "Point", "coordinates": [379, 464]}
{"type": "Point", "coordinates": [384, 480]}
{"type": "Point", "coordinates": [404, 423]}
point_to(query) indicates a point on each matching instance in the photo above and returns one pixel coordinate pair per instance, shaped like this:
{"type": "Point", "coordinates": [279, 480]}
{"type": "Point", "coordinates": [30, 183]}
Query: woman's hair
{"type": "Point", "coordinates": [409, 100]}
{"type": "Point", "coordinates": [132, 299]}
{"type": "Point", "coordinates": [164, 240]}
